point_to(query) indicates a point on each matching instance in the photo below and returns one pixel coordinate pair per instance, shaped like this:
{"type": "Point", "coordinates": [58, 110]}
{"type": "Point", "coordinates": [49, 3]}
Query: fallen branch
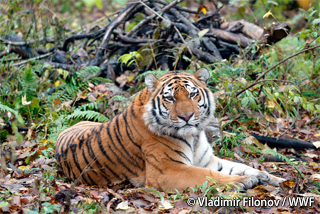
{"type": "Point", "coordinates": [284, 143]}
{"type": "Point", "coordinates": [109, 29]}
{"type": "Point", "coordinates": [31, 59]}
{"type": "Point", "coordinates": [164, 26]}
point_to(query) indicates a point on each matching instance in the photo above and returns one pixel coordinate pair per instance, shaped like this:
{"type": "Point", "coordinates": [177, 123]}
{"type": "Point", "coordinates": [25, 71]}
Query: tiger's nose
{"type": "Point", "coordinates": [185, 117]}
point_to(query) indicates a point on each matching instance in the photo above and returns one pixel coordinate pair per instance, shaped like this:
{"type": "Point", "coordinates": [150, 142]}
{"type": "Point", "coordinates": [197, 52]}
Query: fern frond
{"type": "Point", "coordinates": [88, 115]}
{"type": "Point", "coordinates": [89, 106]}
{"type": "Point", "coordinates": [88, 71]}
{"type": "Point", "coordinates": [119, 97]}
{"type": "Point", "coordinates": [274, 153]}
{"type": "Point", "coordinates": [4, 108]}
{"type": "Point", "coordinates": [29, 81]}
{"type": "Point", "coordinates": [100, 80]}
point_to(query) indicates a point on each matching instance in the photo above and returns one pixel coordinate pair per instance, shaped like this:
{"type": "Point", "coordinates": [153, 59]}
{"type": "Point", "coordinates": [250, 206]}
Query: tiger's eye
{"type": "Point", "coordinates": [169, 98]}
{"type": "Point", "coordinates": [193, 94]}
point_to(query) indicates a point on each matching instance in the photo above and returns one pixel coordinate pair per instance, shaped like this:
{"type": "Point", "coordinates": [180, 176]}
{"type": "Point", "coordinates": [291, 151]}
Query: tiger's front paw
{"type": "Point", "coordinates": [247, 182]}
{"type": "Point", "coordinates": [265, 178]}
{"type": "Point", "coordinates": [275, 181]}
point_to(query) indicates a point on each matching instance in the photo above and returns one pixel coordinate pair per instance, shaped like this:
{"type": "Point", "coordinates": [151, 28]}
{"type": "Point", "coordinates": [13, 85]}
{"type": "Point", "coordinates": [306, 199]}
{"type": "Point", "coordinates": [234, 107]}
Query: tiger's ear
{"type": "Point", "coordinates": [151, 82]}
{"type": "Point", "coordinates": [202, 74]}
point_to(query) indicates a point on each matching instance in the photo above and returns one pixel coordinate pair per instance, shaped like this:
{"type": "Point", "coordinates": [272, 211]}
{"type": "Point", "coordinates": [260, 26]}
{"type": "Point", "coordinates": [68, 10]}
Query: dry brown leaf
{"type": "Point", "coordinates": [311, 155]}
{"type": "Point", "coordinates": [316, 144]}
{"type": "Point", "coordinates": [315, 177]}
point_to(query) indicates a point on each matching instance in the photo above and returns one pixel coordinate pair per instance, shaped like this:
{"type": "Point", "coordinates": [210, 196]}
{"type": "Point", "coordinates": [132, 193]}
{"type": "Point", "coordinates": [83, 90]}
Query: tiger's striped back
{"type": "Point", "coordinates": [104, 153]}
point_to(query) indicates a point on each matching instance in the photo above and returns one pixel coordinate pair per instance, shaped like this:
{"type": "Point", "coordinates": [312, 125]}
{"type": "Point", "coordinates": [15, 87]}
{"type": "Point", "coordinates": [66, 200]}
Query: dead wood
{"type": "Point", "coordinates": [231, 38]}
{"type": "Point", "coordinates": [284, 143]}
{"type": "Point", "coordinates": [165, 26]}
{"type": "Point", "coordinates": [248, 29]}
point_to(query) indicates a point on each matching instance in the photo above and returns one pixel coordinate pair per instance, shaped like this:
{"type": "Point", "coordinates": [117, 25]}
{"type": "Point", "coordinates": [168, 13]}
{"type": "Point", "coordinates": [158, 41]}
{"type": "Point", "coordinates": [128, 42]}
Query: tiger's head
{"type": "Point", "coordinates": [180, 103]}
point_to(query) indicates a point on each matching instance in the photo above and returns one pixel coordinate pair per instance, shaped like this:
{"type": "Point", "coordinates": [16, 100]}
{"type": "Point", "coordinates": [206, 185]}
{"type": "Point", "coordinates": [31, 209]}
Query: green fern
{"type": "Point", "coordinates": [87, 115]}
{"type": "Point", "coordinates": [89, 106]}
{"type": "Point", "coordinates": [78, 82]}
{"type": "Point", "coordinates": [119, 97]}
{"type": "Point", "coordinates": [88, 71]}
{"type": "Point", "coordinates": [100, 80]}
{"type": "Point", "coordinates": [4, 108]}
{"type": "Point", "coordinates": [29, 82]}
{"type": "Point", "coordinates": [274, 153]}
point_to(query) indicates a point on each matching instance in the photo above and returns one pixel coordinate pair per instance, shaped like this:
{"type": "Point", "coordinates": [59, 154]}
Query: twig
{"type": "Point", "coordinates": [34, 58]}
{"type": "Point", "coordinates": [184, 20]}
{"type": "Point", "coordinates": [65, 66]}
{"type": "Point", "coordinates": [275, 80]}
{"type": "Point", "coordinates": [286, 131]}
{"type": "Point", "coordinates": [8, 42]}
{"type": "Point", "coordinates": [82, 36]}
{"type": "Point", "coordinates": [176, 6]}
{"type": "Point", "coordinates": [264, 73]}
{"type": "Point", "coordinates": [151, 9]}
{"type": "Point", "coordinates": [10, 60]}
{"type": "Point", "coordinates": [110, 27]}
{"type": "Point", "coordinates": [144, 21]}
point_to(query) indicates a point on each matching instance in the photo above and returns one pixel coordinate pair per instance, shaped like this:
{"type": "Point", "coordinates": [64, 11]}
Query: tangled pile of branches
{"type": "Point", "coordinates": [154, 34]}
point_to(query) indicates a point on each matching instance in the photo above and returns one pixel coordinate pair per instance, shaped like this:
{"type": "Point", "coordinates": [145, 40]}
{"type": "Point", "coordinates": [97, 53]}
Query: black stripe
{"type": "Point", "coordinates": [128, 127]}
{"type": "Point", "coordinates": [166, 144]}
{"type": "Point", "coordinates": [74, 176]}
{"type": "Point", "coordinates": [125, 177]}
{"type": "Point", "coordinates": [208, 109]}
{"type": "Point", "coordinates": [151, 155]}
{"type": "Point", "coordinates": [119, 159]}
{"type": "Point", "coordinates": [181, 139]}
{"type": "Point", "coordinates": [153, 104]}
{"type": "Point", "coordinates": [204, 101]}
{"type": "Point", "coordinates": [130, 159]}
{"type": "Point", "coordinates": [92, 155]}
{"type": "Point", "coordinates": [87, 162]}
{"type": "Point", "coordinates": [89, 177]}
{"type": "Point", "coordinates": [113, 172]}
{"type": "Point", "coordinates": [220, 167]}
{"type": "Point", "coordinates": [164, 107]}
{"type": "Point", "coordinates": [156, 116]}
{"type": "Point", "coordinates": [132, 110]}
{"type": "Point", "coordinates": [177, 161]}
{"type": "Point", "coordinates": [205, 166]}
{"type": "Point", "coordinates": [183, 155]}
{"type": "Point", "coordinates": [196, 141]}
{"type": "Point", "coordinates": [158, 99]}
{"type": "Point", "coordinates": [122, 146]}
{"type": "Point", "coordinates": [202, 156]}
{"type": "Point", "coordinates": [157, 168]}
{"type": "Point", "coordinates": [66, 164]}
{"type": "Point", "coordinates": [101, 147]}
{"type": "Point", "coordinates": [231, 170]}
{"type": "Point", "coordinates": [73, 148]}
{"type": "Point", "coordinates": [117, 125]}
{"type": "Point", "coordinates": [89, 140]}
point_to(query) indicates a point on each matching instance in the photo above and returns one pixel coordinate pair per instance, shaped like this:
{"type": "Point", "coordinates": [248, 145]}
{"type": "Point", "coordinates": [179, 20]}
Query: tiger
{"type": "Point", "coordinates": [157, 141]}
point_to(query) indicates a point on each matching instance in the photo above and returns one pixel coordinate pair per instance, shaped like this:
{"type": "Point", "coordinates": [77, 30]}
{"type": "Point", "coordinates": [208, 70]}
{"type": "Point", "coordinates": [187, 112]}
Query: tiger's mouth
{"type": "Point", "coordinates": [187, 125]}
